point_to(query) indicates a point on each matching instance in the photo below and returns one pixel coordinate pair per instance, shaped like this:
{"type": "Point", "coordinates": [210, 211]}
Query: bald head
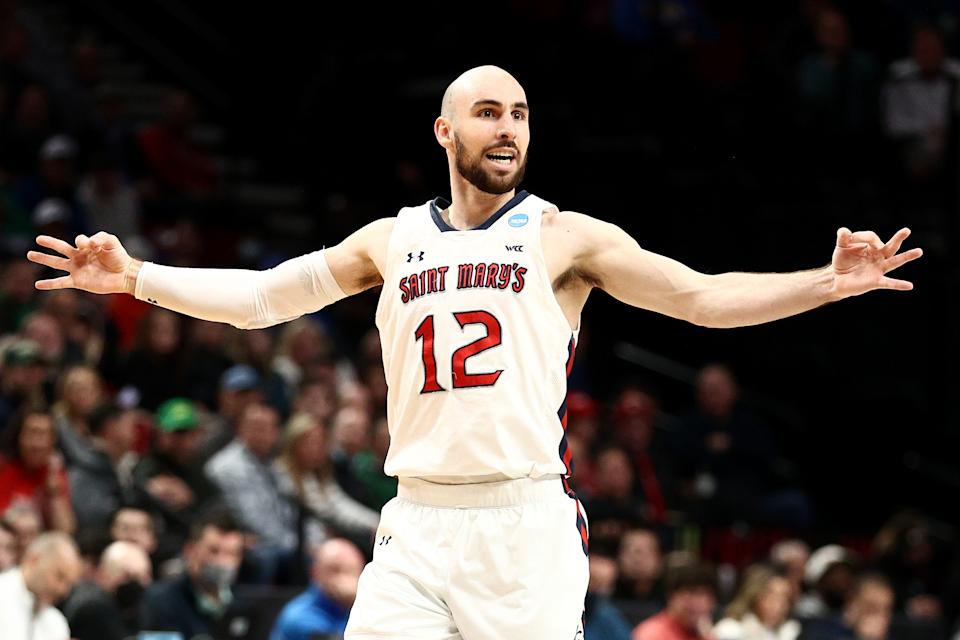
{"type": "Point", "coordinates": [483, 125]}
{"type": "Point", "coordinates": [51, 565]}
{"type": "Point", "coordinates": [474, 84]}
{"type": "Point", "coordinates": [122, 562]}
{"type": "Point", "coordinates": [336, 570]}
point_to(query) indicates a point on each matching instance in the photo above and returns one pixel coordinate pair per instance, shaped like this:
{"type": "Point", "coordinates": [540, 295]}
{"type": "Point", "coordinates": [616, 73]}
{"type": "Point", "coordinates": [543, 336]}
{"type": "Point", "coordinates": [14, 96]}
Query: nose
{"type": "Point", "coordinates": [506, 130]}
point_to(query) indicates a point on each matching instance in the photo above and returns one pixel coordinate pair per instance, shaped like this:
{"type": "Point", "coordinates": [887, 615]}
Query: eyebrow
{"type": "Point", "coordinates": [496, 103]}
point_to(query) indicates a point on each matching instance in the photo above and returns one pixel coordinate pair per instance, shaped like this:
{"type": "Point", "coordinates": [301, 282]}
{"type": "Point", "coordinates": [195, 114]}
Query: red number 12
{"type": "Point", "coordinates": [458, 363]}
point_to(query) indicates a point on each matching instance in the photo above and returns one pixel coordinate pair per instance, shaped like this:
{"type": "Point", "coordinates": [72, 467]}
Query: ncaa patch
{"type": "Point", "coordinates": [518, 220]}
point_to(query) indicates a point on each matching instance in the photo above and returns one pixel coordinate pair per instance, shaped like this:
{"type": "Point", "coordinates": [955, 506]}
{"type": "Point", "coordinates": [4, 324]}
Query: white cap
{"type": "Point", "coordinates": [58, 146]}
{"type": "Point", "coordinates": [823, 558]}
{"type": "Point", "coordinates": [50, 210]}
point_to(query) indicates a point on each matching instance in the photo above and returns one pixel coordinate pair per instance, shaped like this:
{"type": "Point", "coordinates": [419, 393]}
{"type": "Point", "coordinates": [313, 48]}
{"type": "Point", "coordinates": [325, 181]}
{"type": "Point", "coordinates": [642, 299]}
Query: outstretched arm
{"type": "Point", "coordinates": [613, 261]}
{"type": "Point", "coordinates": [243, 298]}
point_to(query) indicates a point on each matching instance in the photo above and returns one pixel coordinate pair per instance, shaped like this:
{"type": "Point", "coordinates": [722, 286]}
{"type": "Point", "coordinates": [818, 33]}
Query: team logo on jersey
{"type": "Point", "coordinates": [518, 220]}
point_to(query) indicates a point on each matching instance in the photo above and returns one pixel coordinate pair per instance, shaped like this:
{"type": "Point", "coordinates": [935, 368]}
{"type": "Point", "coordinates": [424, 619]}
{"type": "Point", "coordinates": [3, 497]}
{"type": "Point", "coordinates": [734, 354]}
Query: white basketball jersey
{"type": "Point", "coordinates": [476, 348]}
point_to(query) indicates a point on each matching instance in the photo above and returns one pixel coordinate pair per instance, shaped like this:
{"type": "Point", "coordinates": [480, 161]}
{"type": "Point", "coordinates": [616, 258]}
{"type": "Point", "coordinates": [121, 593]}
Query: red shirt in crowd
{"type": "Point", "coordinates": [19, 484]}
{"type": "Point", "coordinates": [663, 626]}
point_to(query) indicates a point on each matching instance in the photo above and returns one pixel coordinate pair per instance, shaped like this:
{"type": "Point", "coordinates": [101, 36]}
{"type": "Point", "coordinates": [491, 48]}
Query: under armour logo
{"type": "Point", "coordinates": [385, 540]}
{"type": "Point", "coordinates": [152, 301]}
{"type": "Point", "coordinates": [515, 247]}
{"type": "Point", "coordinates": [410, 257]}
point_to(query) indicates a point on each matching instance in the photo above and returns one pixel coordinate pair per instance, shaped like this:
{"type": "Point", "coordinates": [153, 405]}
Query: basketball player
{"type": "Point", "coordinates": [478, 317]}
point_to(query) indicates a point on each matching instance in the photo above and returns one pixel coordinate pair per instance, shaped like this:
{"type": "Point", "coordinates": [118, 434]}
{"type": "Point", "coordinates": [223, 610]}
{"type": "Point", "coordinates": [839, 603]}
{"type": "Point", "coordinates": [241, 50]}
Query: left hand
{"type": "Point", "coordinates": [861, 261]}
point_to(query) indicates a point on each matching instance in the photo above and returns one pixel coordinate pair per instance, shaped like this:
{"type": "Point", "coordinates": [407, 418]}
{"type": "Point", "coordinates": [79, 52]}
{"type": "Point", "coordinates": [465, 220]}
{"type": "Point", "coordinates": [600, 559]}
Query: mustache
{"type": "Point", "coordinates": [509, 144]}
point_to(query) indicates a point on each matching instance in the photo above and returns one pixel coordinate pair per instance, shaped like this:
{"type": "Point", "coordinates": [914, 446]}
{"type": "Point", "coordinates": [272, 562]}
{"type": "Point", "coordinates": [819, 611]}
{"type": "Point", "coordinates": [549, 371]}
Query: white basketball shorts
{"type": "Point", "coordinates": [499, 560]}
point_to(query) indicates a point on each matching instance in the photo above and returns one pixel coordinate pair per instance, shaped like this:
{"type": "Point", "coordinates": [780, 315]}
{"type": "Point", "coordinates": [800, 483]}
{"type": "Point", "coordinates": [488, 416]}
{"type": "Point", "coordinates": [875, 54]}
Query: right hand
{"type": "Point", "coordinates": [171, 491]}
{"type": "Point", "coordinates": [97, 264]}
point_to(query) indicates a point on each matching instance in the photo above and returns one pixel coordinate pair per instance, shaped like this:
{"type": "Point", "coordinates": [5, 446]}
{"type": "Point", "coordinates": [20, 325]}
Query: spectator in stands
{"type": "Point", "coordinates": [155, 364]}
{"type": "Point", "coordinates": [638, 430]}
{"type": "Point", "coordinates": [691, 597]}
{"type": "Point", "coordinates": [323, 609]}
{"type": "Point", "coordinates": [837, 85]}
{"type": "Point", "coordinates": [81, 323]}
{"type": "Point", "coordinates": [239, 388]}
{"type": "Point", "coordinates": [181, 168]}
{"type": "Point", "coordinates": [56, 179]}
{"type": "Point", "coordinates": [206, 360]}
{"type": "Point", "coordinates": [583, 430]}
{"type": "Point", "coordinates": [734, 458]}
{"type": "Point", "coordinates": [132, 524]}
{"type": "Point", "coordinates": [107, 607]}
{"type": "Point", "coordinates": [31, 471]}
{"type": "Point", "coordinates": [32, 125]}
{"type": "Point", "coordinates": [9, 554]}
{"type": "Point", "coordinates": [829, 575]}
{"type": "Point", "coordinates": [109, 201]}
{"type": "Point", "coordinates": [866, 616]}
{"type": "Point", "coordinates": [304, 472]}
{"type": "Point", "coordinates": [201, 601]}
{"type": "Point", "coordinates": [761, 608]}
{"type": "Point", "coordinates": [918, 101]}
{"type": "Point", "coordinates": [25, 522]}
{"type": "Point", "coordinates": [98, 483]}
{"type": "Point", "coordinates": [45, 330]}
{"type": "Point", "coordinates": [367, 468]}
{"type": "Point", "coordinates": [167, 476]}
{"type": "Point", "coordinates": [614, 508]}
{"type": "Point", "coordinates": [17, 298]}
{"type": "Point", "coordinates": [640, 580]}
{"type": "Point", "coordinates": [318, 398]}
{"type": "Point", "coordinates": [21, 379]}
{"type": "Point", "coordinates": [908, 553]}
{"type": "Point", "coordinates": [350, 435]}
{"type": "Point", "coordinates": [242, 473]}
{"type": "Point", "coordinates": [791, 556]}
{"type": "Point", "coordinates": [50, 567]}
{"type": "Point", "coordinates": [255, 348]}
{"type": "Point", "coordinates": [301, 342]}
{"type": "Point", "coordinates": [602, 620]}
{"type": "Point", "coordinates": [80, 392]}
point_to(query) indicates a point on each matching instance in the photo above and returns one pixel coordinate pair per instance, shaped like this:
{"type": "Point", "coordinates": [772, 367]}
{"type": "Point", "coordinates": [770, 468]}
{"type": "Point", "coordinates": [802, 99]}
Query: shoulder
{"type": "Point", "coordinates": [53, 623]}
{"type": "Point", "coordinates": [579, 232]}
{"type": "Point", "coordinates": [300, 618]}
{"type": "Point", "coordinates": [903, 69]}
{"type": "Point", "coordinates": [728, 628]}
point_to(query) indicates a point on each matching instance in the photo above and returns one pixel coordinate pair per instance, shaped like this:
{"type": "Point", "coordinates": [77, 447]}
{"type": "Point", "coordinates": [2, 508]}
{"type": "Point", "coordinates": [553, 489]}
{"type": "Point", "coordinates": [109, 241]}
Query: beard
{"type": "Point", "coordinates": [473, 171]}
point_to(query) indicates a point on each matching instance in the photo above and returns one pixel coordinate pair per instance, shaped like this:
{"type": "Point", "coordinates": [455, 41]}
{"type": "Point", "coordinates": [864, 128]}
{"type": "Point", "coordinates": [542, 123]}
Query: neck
{"type": "Point", "coordinates": [471, 207]}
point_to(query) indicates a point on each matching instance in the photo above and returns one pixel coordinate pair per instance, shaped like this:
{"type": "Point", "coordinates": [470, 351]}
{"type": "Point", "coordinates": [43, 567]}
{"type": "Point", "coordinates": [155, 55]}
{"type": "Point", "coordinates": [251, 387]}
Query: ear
{"type": "Point", "coordinates": [443, 130]}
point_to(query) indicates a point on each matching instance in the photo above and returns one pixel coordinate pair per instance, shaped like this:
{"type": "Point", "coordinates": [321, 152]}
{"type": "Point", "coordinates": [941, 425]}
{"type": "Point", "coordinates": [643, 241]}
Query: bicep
{"type": "Point", "coordinates": [641, 278]}
{"type": "Point", "coordinates": [356, 263]}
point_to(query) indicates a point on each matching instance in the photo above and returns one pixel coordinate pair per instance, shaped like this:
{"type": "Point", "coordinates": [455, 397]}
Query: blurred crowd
{"type": "Point", "coordinates": [166, 474]}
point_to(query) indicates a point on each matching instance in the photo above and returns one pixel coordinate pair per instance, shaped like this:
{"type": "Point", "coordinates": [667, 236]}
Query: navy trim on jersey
{"type": "Point", "coordinates": [438, 204]}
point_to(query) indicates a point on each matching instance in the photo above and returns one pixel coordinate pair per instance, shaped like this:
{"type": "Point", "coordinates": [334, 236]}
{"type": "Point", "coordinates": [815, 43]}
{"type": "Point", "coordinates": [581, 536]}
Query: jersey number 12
{"type": "Point", "coordinates": [458, 363]}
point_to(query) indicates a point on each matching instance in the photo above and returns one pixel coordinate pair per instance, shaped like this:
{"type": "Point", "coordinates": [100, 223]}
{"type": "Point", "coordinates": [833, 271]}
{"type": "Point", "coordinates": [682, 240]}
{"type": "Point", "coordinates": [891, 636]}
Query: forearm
{"type": "Point", "coordinates": [743, 299]}
{"type": "Point", "coordinates": [242, 298]}
{"type": "Point", "coordinates": [61, 513]}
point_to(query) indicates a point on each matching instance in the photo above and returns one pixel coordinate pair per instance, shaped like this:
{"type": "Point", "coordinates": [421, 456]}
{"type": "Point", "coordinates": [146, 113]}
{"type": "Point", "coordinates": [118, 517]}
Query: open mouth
{"type": "Point", "coordinates": [502, 157]}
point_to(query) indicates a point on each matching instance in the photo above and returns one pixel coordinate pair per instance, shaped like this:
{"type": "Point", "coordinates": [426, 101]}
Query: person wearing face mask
{"type": "Point", "coordinates": [107, 607]}
{"type": "Point", "coordinates": [50, 567]}
{"type": "Point", "coordinates": [322, 610]}
{"type": "Point", "coordinates": [201, 601]}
